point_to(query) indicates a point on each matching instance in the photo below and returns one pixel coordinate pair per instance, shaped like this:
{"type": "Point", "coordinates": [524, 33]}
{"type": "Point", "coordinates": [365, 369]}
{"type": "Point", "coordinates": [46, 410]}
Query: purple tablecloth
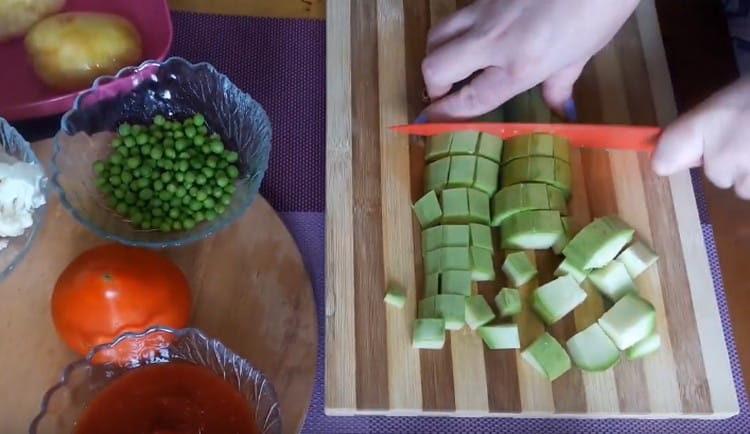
{"type": "Point", "coordinates": [281, 63]}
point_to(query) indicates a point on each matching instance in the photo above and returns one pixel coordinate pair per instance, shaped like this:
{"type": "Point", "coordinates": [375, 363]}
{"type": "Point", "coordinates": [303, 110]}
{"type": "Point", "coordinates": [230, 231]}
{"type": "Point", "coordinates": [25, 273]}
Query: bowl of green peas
{"type": "Point", "coordinates": [166, 154]}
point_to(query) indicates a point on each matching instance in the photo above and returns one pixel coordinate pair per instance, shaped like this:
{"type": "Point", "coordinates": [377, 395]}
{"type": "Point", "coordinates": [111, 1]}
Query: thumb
{"type": "Point", "coordinates": [558, 88]}
{"type": "Point", "coordinates": [680, 147]}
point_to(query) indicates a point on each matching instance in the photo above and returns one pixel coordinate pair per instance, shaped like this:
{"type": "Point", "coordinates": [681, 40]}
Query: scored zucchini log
{"type": "Point", "coordinates": [428, 334]}
{"type": "Point", "coordinates": [428, 210]}
{"type": "Point", "coordinates": [598, 243]}
{"type": "Point", "coordinates": [612, 280]}
{"type": "Point", "coordinates": [644, 347]}
{"type": "Point", "coordinates": [592, 350]}
{"type": "Point", "coordinates": [541, 145]}
{"type": "Point", "coordinates": [637, 258]}
{"type": "Point", "coordinates": [546, 170]}
{"type": "Point", "coordinates": [508, 302]}
{"type": "Point", "coordinates": [630, 320]}
{"type": "Point", "coordinates": [500, 336]}
{"type": "Point", "coordinates": [547, 357]}
{"type": "Point", "coordinates": [478, 312]}
{"type": "Point", "coordinates": [518, 268]}
{"type": "Point", "coordinates": [531, 230]}
{"type": "Point", "coordinates": [557, 298]}
{"type": "Point", "coordinates": [526, 197]}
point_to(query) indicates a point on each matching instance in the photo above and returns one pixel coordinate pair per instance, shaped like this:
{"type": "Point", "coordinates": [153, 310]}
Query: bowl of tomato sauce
{"type": "Point", "coordinates": [160, 381]}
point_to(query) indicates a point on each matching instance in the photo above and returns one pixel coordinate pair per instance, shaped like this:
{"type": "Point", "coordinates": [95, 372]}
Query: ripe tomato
{"type": "Point", "coordinates": [113, 289]}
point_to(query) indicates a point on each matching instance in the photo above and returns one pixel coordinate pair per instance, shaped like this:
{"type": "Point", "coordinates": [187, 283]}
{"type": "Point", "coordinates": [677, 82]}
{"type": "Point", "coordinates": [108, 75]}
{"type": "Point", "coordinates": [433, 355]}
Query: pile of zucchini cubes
{"type": "Point", "coordinates": [476, 183]}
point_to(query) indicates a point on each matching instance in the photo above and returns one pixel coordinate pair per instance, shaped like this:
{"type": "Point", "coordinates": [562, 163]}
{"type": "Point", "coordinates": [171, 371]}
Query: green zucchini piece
{"type": "Point", "coordinates": [545, 170]}
{"type": "Point", "coordinates": [630, 320]}
{"type": "Point", "coordinates": [481, 236]}
{"type": "Point", "coordinates": [455, 205]}
{"type": "Point", "coordinates": [540, 145]}
{"type": "Point", "coordinates": [464, 142]}
{"type": "Point", "coordinates": [531, 230]}
{"type": "Point", "coordinates": [644, 347]}
{"type": "Point", "coordinates": [426, 308]}
{"type": "Point", "coordinates": [455, 258]}
{"type": "Point", "coordinates": [567, 269]}
{"type": "Point", "coordinates": [487, 175]}
{"type": "Point", "coordinates": [462, 171]}
{"type": "Point", "coordinates": [451, 308]}
{"type": "Point", "coordinates": [395, 297]}
{"type": "Point", "coordinates": [592, 350]}
{"type": "Point", "coordinates": [456, 236]}
{"type": "Point", "coordinates": [479, 206]}
{"type": "Point", "coordinates": [433, 261]}
{"type": "Point", "coordinates": [432, 238]}
{"type": "Point", "coordinates": [547, 357]}
{"type": "Point", "coordinates": [456, 282]}
{"type": "Point", "coordinates": [526, 197]}
{"type": "Point", "coordinates": [500, 337]}
{"type": "Point", "coordinates": [528, 106]}
{"type": "Point", "coordinates": [436, 174]}
{"type": "Point", "coordinates": [613, 280]}
{"type": "Point", "coordinates": [438, 146]}
{"type": "Point", "coordinates": [597, 244]}
{"type": "Point", "coordinates": [490, 147]}
{"type": "Point", "coordinates": [564, 238]}
{"type": "Point", "coordinates": [431, 284]}
{"type": "Point", "coordinates": [429, 334]}
{"type": "Point", "coordinates": [508, 302]}
{"type": "Point", "coordinates": [518, 268]}
{"type": "Point", "coordinates": [557, 298]}
{"type": "Point", "coordinates": [478, 312]}
{"type": "Point", "coordinates": [427, 209]}
{"type": "Point", "coordinates": [482, 266]}
{"type": "Point", "coordinates": [637, 258]}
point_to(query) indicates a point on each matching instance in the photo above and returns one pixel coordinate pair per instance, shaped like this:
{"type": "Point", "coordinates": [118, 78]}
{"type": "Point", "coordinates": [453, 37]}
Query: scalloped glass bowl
{"type": "Point", "coordinates": [16, 146]}
{"type": "Point", "coordinates": [64, 403]}
{"type": "Point", "coordinates": [174, 88]}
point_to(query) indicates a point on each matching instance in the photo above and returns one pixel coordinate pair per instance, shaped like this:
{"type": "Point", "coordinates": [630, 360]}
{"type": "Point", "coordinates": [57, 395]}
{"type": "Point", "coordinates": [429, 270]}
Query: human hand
{"type": "Point", "coordinates": [516, 44]}
{"type": "Point", "coordinates": [716, 134]}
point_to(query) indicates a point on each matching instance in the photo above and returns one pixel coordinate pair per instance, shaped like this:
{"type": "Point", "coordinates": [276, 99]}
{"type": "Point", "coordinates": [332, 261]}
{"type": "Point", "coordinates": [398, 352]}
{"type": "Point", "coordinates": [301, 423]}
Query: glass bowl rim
{"type": "Point", "coordinates": [210, 229]}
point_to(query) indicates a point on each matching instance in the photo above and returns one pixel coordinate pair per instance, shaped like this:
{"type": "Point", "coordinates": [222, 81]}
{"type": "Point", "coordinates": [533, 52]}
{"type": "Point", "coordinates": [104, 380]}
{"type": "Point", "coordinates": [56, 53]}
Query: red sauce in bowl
{"type": "Point", "coordinates": [169, 398]}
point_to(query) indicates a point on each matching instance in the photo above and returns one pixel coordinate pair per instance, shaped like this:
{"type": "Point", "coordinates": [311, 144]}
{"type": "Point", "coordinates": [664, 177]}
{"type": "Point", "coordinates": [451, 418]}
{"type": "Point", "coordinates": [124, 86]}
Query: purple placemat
{"type": "Point", "coordinates": [281, 63]}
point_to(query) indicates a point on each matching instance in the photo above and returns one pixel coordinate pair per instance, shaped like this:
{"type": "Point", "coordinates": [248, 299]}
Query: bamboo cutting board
{"type": "Point", "coordinates": [374, 51]}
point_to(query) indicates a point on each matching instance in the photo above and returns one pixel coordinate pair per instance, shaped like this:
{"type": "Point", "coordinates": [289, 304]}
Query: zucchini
{"type": "Point", "coordinates": [547, 357]}
{"type": "Point", "coordinates": [613, 280]}
{"type": "Point", "coordinates": [487, 175]}
{"type": "Point", "coordinates": [432, 238]}
{"type": "Point", "coordinates": [526, 197]}
{"type": "Point", "coordinates": [464, 142]}
{"type": "Point", "coordinates": [565, 237]}
{"type": "Point", "coordinates": [450, 308]}
{"type": "Point", "coordinates": [630, 320]}
{"type": "Point", "coordinates": [395, 297]}
{"type": "Point", "coordinates": [500, 336]}
{"type": "Point", "coordinates": [481, 236]}
{"type": "Point", "coordinates": [438, 146]}
{"type": "Point", "coordinates": [644, 347]}
{"type": "Point", "coordinates": [455, 258]}
{"type": "Point", "coordinates": [557, 298]}
{"type": "Point", "coordinates": [518, 268]}
{"type": "Point", "coordinates": [508, 302]}
{"type": "Point", "coordinates": [431, 284]}
{"type": "Point", "coordinates": [598, 243]}
{"type": "Point", "coordinates": [539, 145]}
{"type": "Point", "coordinates": [432, 261]}
{"type": "Point", "coordinates": [637, 258]}
{"type": "Point", "coordinates": [567, 269]}
{"type": "Point", "coordinates": [428, 210]}
{"type": "Point", "coordinates": [456, 282]}
{"type": "Point", "coordinates": [456, 236]}
{"type": "Point", "coordinates": [455, 205]}
{"type": "Point", "coordinates": [545, 170]}
{"type": "Point", "coordinates": [436, 174]}
{"type": "Point", "coordinates": [592, 350]}
{"type": "Point", "coordinates": [479, 206]}
{"type": "Point", "coordinates": [478, 312]}
{"type": "Point", "coordinates": [428, 334]}
{"type": "Point", "coordinates": [426, 308]}
{"type": "Point", "coordinates": [531, 230]}
{"type": "Point", "coordinates": [462, 171]}
{"type": "Point", "coordinates": [490, 147]}
{"type": "Point", "coordinates": [482, 266]}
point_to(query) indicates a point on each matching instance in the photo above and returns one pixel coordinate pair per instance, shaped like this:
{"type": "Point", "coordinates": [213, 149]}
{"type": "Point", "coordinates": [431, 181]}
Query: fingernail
{"type": "Point", "coordinates": [569, 110]}
{"type": "Point", "coordinates": [421, 119]}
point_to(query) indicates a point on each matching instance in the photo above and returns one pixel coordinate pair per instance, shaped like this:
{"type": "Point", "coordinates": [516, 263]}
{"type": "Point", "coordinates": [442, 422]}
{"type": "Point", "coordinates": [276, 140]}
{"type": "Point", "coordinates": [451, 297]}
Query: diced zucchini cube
{"type": "Point", "coordinates": [482, 266]}
{"type": "Point", "coordinates": [438, 146]}
{"type": "Point", "coordinates": [428, 209]}
{"type": "Point", "coordinates": [637, 258]}
{"type": "Point", "coordinates": [544, 170]}
{"type": "Point", "coordinates": [531, 230]}
{"type": "Point", "coordinates": [429, 334]}
{"type": "Point", "coordinates": [456, 282]}
{"type": "Point", "coordinates": [508, 302]}
{"type": "Point", "coordinates": [518, 268]}
{"type": "Point", "coordinates": [433, 261]}
{"type": "Point", "coordinates": [427, 308]}
{"type": "Point", "coordinates": [564, 238]}
{"type": "Point", "coordinates": [432, 238]}
{"type": "Point", "coordinates": [436, 174]}
{"type": "Point", "coordinates": [395, 297]}
{"type": "Point", "coordinates": [462, 171]}
{"type": "Point", "coordinates": [481, 236]}
{"type": "Point", "coordinates": [644, 347]}
{"type": "Point", "coordinates": [478, 312]}
{"type": "Point", "coordinates": [567, 269]}
{"type": "Point", "coordinates": [630, 320]}
{"type": "Point", "coordinates": [455, 258]}
{"type": "Point", "coordinates": [612, 280]}
{"type": "Point", "coordinates": [592, 350]}
{"type": "Point", "coordinates": [547, 357]}
{"type": "Point", "coordinates": [598, 243]}
{"type": "Point", "coordinates": [464, 142]}
{"type": "Point", "coordinates": [490, 146]}
{"type": "Point", "coordinates": [455, 205]}
{"type": "Point", "coordinates": [557, 298]}
{"type": "Point", "coordinates": [456, 236]}
{"type": "Point", "coordinates": [500, 336]}
{"type": "Point", "coordinates": [479, 206]}
{"type": "Point", "coordinates": [487, 175]}
{"type": "Point", "coordinates": [451, 308]}
{"type": "Point", "coordinates": [431, 284]}
{"type": "Point", "coordinates": [526, 197]}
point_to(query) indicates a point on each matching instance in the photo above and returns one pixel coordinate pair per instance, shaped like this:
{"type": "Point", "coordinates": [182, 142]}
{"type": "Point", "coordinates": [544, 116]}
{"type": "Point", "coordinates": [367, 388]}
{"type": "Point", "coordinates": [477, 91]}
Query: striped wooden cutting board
{"type": "Point", "coordinates": [374, 81]}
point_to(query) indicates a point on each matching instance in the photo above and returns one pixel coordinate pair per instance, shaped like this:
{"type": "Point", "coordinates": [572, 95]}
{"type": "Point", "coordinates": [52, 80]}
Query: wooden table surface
{"type": "Point", "coordinates": [700, 60]}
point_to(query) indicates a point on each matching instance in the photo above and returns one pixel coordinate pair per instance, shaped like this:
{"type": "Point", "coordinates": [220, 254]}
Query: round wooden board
{"type": "Point", "coordinates": [250, 290]}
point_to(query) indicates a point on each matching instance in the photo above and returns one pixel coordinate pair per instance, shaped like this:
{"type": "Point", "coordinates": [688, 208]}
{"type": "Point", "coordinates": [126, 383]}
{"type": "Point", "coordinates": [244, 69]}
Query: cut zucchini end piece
{"type": "Point", "coordinates": [567, 269]}
{"type": "Point", "coordinates": [508, 302]}
{"type": "Point", "coordinates": [518, 268]}
{"type": "Point", "coordinates": [630, 320]}
{"type": "Point", "coordinates": [395, 297]}
{"type": "Point", "coordinates": [592, 350]}
{"type": "Point", "coordinates": [478, 312]}
{"type": "Point", "coordinates": [500, 337]}
{"type": "Point", "coordinates": [428, 209]}
{"type": "Point", "coordinates": [637, 258]}
{"type": "Point", "coordinates": [613, 280]}
{"type": "Point", "coordinates": [428, 334]}
{"type": "Point", "coordinates": [547, 357]}
{"type": "Point", "coordinates": [555, 299]}
{"type": "Point", "coordinates": [644, 347]}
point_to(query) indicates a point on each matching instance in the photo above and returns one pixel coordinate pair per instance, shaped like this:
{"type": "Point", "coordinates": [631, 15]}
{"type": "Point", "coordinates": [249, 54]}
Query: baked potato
{"type": "Point", "coordinates": [17, 16]}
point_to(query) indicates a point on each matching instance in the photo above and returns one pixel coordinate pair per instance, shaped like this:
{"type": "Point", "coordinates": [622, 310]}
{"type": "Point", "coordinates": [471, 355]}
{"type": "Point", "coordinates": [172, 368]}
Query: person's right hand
{"type": "Point", "coordinates": [516, 44]}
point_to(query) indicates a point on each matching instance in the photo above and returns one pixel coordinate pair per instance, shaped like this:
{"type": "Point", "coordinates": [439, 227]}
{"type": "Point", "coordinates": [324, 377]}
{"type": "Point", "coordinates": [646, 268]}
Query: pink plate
{"type": "Point", "coordinates": [23, 96]}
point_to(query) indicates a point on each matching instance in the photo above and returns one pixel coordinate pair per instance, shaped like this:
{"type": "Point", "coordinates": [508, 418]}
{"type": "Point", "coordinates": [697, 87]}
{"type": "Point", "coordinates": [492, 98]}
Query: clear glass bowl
{"type": "Point", "coordinates": [174, 88]}
{"type": "Point", "coordinates": [64, 403]}
{"type": "Point", "coordinates": [16, 146]}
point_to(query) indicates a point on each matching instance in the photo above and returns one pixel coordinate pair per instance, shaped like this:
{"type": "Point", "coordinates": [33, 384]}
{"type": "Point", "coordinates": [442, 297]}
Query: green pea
{"type": "Point", "coordinates": [115, 180]}
{"type": "Point", "coordinates": [220, 209]}
{"type": "Point", "coordinates": [135, 129]}
{"type": "Point", "coordinates": [177, 226]}
{"type": "Point", "coordinates": [216, 147]}
{"type": "Point", "coordinates": [118, 193]}
{"type": "Point", "coordinates": [196, 163]}
{"type": "Point", "coordinates": [165, 227]}
{"type": "Point", "coordinates": [175, 202]}
{"type": "Point", "coordinates": [180, 144]}
{"type": "Point", "coordinates": [122, 150]}
{"type": "Point", "coordinates": [171, 188]}
{"type": "Point", "coordinates": [188, 223]}
{"type": "Point", "coordinates": [136, 217]}
{"type": "Point", "coordinates": [156, 222]}
{"type": "Point", "coordinates": [133, 162]}
{"type": "Point", "coordinates": [168, 164]}
{"type": "Point", "coordinates": [155, 202]}
{"type": "Point", "coordinates": [231, 156]}
{"type": "Point", "coordinates": [209, 172]}
{"type": "Point", "coordinates": [146, 225]}
{"type": "Point", "coordinates": [180, 192]}
{"type": "Point", "coordinates": [146, 170]}
{"type": "Point", "coordinates": [99, 166]}
{"type": "Point", "coordinates": [206, 149]}
{"type": "Point", "coordinates": [233, 172]}
{"type": "Point", "coordinates": [174, 213]}
{"type": "Point", "coordinates": [130, 198]}
{"type": "Point", "coordinates": [200, 179]}
{"type": "Point", "coordinates": [169, 142]}
{"type": "Point", "coordinates": [112, 202]}
{"type": "Point", "coordinates": [146, 150]}
{"type": "Point", "coordinates": [195, 206]}
{"type": "Point", "coordinates": [222, 180]}
{"type": "Point", "coordinates": [229, 188]}
{"type": "Point", "coordinates": [169, 134]}
{"type": "Point", "coordinates": [200, 195]}
{"type": "Point", "coordinates": [178, 134]}
{"type": "Point", "coordinates": [198, 119]}
{"type": "Point", "coordinates": [156, 153]}
{"type": "Point", "coordinates": [159, 120]}
{"type": "Point", "coordinates": [212, 161]}
{"type": "Point", "coordinates": [141, 139]}
{"type": "Point", "coordinates": [159, 135]}
{"type": "Point", "coordinates": [186, 200]}
{"type": "Point", "coordinates": [157, 212]}
{"type": "Point", "coordinates": [115, 159]}
{"type": "Point", "coordinates": [170, 153]}
{"type": "Point", "coordinates": [115, 170]}
{"type": "Point", "coordinates": [164, 195]}
{"type": "Point", "coordinates": [154, 176]}
{"type": "Point", "coordinates": [190, 131]}
{"type": "Point", "coordinates": [146, 193]}
{"type": "Point", "coordinates": [126, 177]}
{"type": "Point", "coordinates": [179, 176]}
{"type": "Point", "coordinates": [199, 140]}
{"type": "Point", "coordinates": [189, 178]}
{"type": "Point", "coordinates": [100, 181]}
{"type": "Point", "coordinates": [124, 129]}
{"type": "Point", "coordinates": [210, 214]}
{"type": "Point", "coordinates": [166, 206]}
{"type": "Point", "coordinates": [166, 177]}
{"type": "Point", "coordinates": [199, 216]}
{"type": "Point", "coordinates": [226, 200]}
{"type": "Point", "coordinates": [129, 141]}
{"type": "Point", "coordinates": [121, 208]}
{"type": "Point", "coordinates": [158, 185]}
{"type": "Point", "coordinates": [116, 142]}
{"type": "Point", "coordinates": [184, 155]}
{"type": "Point", "coordinates": [209, 203]}
{"type": "Point", "coordinates": [137, 173]}
{"type": "Point", "coordinates": [134, 186]}
{"type": "Point", "coordinates": [203, 130]}
{"type": "Point", "coordinates": [218, 192]}
{"type": "Point", "coordinates": [222, 164]}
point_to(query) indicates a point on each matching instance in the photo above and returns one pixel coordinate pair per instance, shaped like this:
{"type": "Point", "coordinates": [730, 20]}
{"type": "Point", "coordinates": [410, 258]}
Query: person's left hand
{"type": "Point", "coordinates": [716, 134]}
